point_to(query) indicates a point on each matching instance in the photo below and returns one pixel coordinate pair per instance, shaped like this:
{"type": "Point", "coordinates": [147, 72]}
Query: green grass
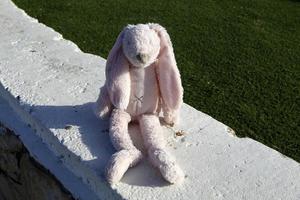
{"type": "Point", "coordinates": [239, 59]}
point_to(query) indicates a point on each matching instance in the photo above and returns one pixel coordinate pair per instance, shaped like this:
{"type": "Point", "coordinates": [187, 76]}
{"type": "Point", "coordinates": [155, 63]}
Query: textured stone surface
{"type": "Point", "coordinates": [40, 152]}
{"type": "Point", "coordinates": [56, 84]}
{"type": "Point", "coordinates": [21, 177]}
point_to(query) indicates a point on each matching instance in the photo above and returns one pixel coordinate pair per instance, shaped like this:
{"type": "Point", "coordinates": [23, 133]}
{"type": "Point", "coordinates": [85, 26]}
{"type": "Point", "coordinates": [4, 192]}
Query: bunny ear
{"type": "Point", "coordinates": [117, 75]}
{"type": "Point", "coordinates": [168, 73]}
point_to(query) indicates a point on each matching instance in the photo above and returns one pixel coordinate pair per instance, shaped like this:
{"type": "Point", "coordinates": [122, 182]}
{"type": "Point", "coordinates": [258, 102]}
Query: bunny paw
{"type": "Point", "coordinates": [119, 163]}
{"type": "Point", "coordinates": [167, 165]}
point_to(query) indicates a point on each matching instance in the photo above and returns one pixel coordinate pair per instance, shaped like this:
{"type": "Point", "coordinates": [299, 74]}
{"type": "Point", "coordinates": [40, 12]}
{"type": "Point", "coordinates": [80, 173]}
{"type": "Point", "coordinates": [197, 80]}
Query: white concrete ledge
{"type": "Point", "coordinates": [56, 84]}
{"type": "Point", "coordinates": [42, 153]}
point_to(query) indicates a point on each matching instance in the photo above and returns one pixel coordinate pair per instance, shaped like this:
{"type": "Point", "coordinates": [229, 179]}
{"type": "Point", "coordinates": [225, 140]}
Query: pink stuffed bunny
{"type": "Point", "coordinates": [142, 79]}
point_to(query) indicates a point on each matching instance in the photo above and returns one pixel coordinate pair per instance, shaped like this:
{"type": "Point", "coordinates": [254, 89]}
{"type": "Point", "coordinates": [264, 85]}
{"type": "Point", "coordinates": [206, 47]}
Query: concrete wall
{"type": "Point", "coordinates": [51, 86]}
{"type": "Point", "coordinates": [21, 177]}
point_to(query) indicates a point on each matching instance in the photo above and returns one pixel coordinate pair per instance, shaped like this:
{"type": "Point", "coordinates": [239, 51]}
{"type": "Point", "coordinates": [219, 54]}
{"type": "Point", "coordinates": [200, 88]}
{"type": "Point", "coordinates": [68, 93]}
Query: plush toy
{"type": "Point", "coordinates": [142, 79]}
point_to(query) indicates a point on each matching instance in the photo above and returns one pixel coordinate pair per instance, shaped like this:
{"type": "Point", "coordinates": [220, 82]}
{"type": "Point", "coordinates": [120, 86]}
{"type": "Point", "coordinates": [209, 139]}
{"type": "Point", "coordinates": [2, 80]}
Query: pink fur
{"type": "Point", "coordinates": [168, 73]}
{"type": "Point", "coordinates": [117, 75]}
{"type": "Point", "coordinates": [155, 143]}
{"type": "Point", "coordinates": [103, 104]}
{"type": "Point", "coordinates": [141, 77]}
{"type": "Point", "coordinates": [128, 155]}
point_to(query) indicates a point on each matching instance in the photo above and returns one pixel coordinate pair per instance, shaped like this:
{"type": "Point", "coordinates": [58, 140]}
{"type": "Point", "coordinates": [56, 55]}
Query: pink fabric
{"type": "Point", "coordinates": [144, 95]}
{"type": "Point", "coordinates": [168, 73]}
{"type": "Point", "coordinates": [119, 81]}
{"type": "Point", "coordinates": [138, 93]}
{"type": "Point", "coordinates": [117, 76]}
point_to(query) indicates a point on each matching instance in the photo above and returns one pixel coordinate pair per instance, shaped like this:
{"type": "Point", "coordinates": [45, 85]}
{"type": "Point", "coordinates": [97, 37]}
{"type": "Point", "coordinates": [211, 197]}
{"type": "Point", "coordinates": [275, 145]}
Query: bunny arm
{"type": "Point", "coordinates": [103, 104]}
{"type": "Point", "coordinates": [171, 91]}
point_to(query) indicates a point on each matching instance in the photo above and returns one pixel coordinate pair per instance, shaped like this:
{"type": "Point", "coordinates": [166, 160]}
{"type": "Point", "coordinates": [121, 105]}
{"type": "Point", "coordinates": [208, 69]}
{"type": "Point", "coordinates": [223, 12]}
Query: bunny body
{"type": "Point", "coordinates": [142, 79]}
{"type": "Point", "coordinates": [144, 95]}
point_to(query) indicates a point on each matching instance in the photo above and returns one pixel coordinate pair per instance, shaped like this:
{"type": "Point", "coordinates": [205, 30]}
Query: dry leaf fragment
{"type": "Point", "coordinates": [180, 133]}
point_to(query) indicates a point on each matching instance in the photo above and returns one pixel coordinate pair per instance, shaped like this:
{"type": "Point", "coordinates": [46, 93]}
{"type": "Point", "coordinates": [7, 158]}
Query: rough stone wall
{"type": "Point", "coordinates": [21, 177]}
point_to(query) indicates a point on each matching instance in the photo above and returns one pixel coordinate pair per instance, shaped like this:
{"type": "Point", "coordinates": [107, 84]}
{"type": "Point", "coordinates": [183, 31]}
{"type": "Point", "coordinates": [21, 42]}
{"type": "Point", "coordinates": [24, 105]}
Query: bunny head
{"type": "Point", "coordinates": [141, 45]}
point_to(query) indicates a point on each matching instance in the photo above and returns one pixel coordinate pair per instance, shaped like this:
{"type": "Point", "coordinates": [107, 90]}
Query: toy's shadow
{"type": "Point", "coordinates": [94, 135]}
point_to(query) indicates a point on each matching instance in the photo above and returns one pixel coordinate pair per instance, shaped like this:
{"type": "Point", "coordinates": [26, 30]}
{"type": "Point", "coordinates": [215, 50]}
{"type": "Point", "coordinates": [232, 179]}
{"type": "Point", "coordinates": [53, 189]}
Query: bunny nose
{"type": "Point", "coordinates": [142, 57]}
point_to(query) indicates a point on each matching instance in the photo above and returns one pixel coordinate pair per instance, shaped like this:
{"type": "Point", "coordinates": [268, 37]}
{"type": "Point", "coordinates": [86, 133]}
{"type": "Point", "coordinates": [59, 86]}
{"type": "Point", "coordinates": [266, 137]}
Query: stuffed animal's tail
{"type": "Point", "coordinates": [103, 105]}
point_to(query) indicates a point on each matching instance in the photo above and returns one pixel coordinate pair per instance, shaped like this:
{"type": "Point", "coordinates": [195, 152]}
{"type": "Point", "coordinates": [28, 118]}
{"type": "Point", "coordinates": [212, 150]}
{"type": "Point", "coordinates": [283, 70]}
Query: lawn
{"type": "Point", "coordinates": [239, 59]}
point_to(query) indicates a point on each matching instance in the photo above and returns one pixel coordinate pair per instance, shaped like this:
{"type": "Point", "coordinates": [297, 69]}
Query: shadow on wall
{"type": "Point", "coordinates": [94, 134]}
{"type": "Point", "coordinates": [52, 117]}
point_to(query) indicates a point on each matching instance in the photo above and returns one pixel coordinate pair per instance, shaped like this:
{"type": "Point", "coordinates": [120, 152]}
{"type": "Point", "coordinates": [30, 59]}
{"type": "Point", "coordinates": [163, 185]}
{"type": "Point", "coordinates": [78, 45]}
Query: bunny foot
{"type": "Point", "coordinates": [167, 165]}
{"type": "Point", "coordinates": [120, 162]}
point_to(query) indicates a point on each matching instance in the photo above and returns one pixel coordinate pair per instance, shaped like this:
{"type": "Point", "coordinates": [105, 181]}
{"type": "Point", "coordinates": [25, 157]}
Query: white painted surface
{"type": "Point", "coordinates": [44, 155]}
{"type": "Point", "coordinates": [56, 83]}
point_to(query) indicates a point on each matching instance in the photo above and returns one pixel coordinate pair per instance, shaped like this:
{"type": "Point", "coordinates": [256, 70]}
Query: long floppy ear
{"type": "Point", "coordinates": [117, 75]}
{"type": "Point", "coordinates": [168, 73]}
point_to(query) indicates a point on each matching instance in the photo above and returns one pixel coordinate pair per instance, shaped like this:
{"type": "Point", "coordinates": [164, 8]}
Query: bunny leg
{"type": "Point", "coordinates": [127, 154]}
{"type": "Point", "coordinates": [152, 134]}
